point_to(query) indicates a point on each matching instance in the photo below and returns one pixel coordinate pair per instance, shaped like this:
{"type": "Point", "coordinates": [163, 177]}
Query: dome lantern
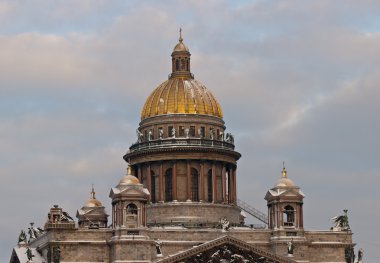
{"type": "Point", "coordinates": [181, 60]}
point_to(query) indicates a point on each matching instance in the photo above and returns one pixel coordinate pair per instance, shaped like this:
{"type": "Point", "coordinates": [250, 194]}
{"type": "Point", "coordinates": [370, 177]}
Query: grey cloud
{"type": "Point", "coordinates": [297, 82]}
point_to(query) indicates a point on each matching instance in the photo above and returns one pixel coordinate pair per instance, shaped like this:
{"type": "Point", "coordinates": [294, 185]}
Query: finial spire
{"type": "Point", "coordinates": [93, 192]}
{"type": "Point", "coordinates": [180, 35]}
{"type": "Point", "coordinates": [284, 172]}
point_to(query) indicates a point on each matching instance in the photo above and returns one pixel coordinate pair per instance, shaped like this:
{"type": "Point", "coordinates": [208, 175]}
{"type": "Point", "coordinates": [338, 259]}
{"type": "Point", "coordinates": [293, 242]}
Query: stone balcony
{"type": "Point", "coordinates": [181, 142]}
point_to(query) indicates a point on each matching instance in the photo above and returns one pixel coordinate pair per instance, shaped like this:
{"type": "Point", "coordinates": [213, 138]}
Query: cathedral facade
{"type": "Point", "coordinates": [178, 201]}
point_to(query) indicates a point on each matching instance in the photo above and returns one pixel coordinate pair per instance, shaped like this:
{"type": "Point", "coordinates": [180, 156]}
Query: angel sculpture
{"type": "Point", "coordinates": [22, 237]}
{"type": "Point", "coordinates": [66, 216]}
{"type": "Point", "coordinates": [160, 133]}
{"type": "Point", "coordinates": [341, 222]}
{"type": "Point", "coordinates": [29, 254]}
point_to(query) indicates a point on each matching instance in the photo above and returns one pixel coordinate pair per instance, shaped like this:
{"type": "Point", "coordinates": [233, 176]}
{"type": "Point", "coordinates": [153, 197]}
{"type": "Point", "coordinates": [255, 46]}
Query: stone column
{"type": "Point", "coordinates": [188, 181]}
{"type": "Point", "coordinates": [174, 181]}
{"type": "Point", "coordinates": [149, 181]}
{"type": "Point", "coordinates": [113, 216]}
{"type": "Point", "coordinates": [234, 185]}
{"type": "Point", "coordinates": [161, 192]}
{"type": "Point", "coordinates": [214, 184]}
{"type": "Point", "coordinates": [229, 185]}
{"type": "Point", "coordinates": [202, 197]}
{"type": "Point", "coordinates": [223, 183]}
{"type": "Point", "coordinates": [139, 172]}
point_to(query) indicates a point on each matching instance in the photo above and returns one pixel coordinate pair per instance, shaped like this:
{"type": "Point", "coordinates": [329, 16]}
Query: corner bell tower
{"type": "Point", "coordinates": [285, 208]}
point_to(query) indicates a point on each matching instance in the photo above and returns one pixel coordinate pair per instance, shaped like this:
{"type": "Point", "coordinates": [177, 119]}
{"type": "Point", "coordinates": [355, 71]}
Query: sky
{"type": "Point", "coordinates": [298, 81]}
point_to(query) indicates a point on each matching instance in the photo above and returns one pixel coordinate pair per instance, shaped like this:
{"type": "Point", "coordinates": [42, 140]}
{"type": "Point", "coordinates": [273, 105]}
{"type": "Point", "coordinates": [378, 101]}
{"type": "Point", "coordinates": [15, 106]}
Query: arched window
{"type": "Point", "coordinates": [152, 187]}
{"type": "Point", "coordinates": [131, 209]}
{"type": "Point", "coordinates": [288, 215]}
{"type": "Point", "coordinates": [187, 65]}
{"type": "Point", "coordinates": [209, 185]}
{"type": "Point", "coordinates": [176, 64]}
{"type": "Point", "coordinates": [169, 185]}
{"type": "Point", "coordinates": [183, 64]}
{"type": "Point", "coordinates": [194, 185]}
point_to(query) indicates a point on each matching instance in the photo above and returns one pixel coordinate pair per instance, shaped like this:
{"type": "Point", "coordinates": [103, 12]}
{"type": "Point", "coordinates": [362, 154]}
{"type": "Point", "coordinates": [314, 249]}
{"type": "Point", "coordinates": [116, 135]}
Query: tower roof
{"type": "Point", "coordinates": [93, 202]}
{"type": "Point", "coordinates": [284, 181]}
{"type": "Point", "coordinates": [180, 47]}
{"type": "Point", "coordinates": [129, 179]}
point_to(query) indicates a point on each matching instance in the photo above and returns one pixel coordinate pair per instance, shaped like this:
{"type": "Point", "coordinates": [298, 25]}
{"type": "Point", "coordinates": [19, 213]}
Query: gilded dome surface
{"type": "Point", "coordinates": [180, 47]}
{"type": "Point", "coordinates": [93, 203]}
{"type": "Point", "coordinates": [129, 180]}
{"type": "Point", "coordinates": [181, 96]}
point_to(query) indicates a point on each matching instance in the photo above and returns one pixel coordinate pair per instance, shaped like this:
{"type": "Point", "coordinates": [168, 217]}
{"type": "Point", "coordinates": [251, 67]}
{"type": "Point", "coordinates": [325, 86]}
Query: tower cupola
{"type": "Point", "coordinates": [181, 60]}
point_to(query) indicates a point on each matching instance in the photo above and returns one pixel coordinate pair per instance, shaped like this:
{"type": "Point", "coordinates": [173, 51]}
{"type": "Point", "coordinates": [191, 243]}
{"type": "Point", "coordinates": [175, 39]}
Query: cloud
{"type": "Point", "coordinates": [297, 82]}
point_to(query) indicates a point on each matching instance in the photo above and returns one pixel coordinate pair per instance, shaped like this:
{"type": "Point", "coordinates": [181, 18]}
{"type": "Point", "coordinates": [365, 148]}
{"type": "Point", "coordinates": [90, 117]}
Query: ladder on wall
{"type": "Point", "coordinates": [252, 211]}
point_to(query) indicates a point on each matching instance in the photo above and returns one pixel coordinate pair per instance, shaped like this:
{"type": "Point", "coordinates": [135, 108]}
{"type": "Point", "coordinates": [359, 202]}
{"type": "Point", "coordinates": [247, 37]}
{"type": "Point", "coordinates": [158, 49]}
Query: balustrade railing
{"type": "Point", "coordinates": [183, 142]}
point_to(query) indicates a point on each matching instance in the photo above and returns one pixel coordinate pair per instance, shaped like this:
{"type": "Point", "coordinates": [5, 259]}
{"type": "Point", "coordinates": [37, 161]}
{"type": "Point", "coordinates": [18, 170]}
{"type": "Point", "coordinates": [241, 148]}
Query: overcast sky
{"type": "Point", "coordinates": [298, 81]}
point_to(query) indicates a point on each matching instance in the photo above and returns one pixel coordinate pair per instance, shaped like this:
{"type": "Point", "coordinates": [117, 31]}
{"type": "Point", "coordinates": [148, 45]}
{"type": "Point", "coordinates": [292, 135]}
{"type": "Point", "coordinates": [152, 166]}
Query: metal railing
{"type": "Point", "coordinates": [181, 142]}
{"type": "Point", "coordinates": [253, 211]}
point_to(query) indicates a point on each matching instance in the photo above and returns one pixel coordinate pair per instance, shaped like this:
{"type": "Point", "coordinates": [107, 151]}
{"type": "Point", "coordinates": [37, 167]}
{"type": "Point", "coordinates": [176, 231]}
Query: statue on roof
{"type": "Point", "coordinates": [173, 132]}
{"type": "Point", "coordinates": [290, 248]}
{"type": "Point", "coordinates": [211, 133]}
{"type": "Point", "coordinates": [360, 255]}
{"type": "Point", "coordinates": [230, 138]}
{"type": "Point", "coordinates": [160, 133]}
{"type": "Point", "coordinates": [22, 237]}
{"type": "Point", "coordinates": [341, 222]}
{"type": "Point", "coordinates": [66, 216]}
{"type": "Point", "coordinates": [349, 254]}
{"type": "Point", "coordinates": [140, 136]}
{"type": "Point", "coordinates": [29, 254]}
{"type": "Point", "coordinates": [56, 254]}
{"type": "Point", "coordinates": [150, 135]}
{"type": "Point", "coordinates": [224, 223]}
{"type": "Point", "coordinates": [32, 232]}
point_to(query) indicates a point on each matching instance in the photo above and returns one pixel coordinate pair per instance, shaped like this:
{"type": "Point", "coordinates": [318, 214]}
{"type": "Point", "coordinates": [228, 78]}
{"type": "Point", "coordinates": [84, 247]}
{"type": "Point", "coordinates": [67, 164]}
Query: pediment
{"type": "Point", "coordinates": [225, 249]}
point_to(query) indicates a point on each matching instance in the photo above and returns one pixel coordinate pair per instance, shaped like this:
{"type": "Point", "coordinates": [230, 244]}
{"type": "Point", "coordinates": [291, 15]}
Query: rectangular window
{"type": "Point", "coordinates": [181, 131]}
{"type": "Point", "coordinates": [192, 131]}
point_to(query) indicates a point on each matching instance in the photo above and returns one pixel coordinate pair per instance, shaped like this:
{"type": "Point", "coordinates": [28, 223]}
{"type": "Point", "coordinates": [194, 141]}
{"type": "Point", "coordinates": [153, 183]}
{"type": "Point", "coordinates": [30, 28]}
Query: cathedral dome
{"type": "Point", "coordinates": [181, 96]}
{"type": "Point", "coordinates": [181, 93]}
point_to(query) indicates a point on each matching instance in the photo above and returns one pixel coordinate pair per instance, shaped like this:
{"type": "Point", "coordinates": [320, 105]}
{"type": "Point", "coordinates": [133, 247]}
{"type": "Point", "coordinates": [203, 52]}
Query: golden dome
{"type": "Point", "coordinates": [181, 96]}
{"type": "Point", "coordinates": [180, 47]}
{"type": "Point", "coordinates": [93, 202]}
{"type": "Point", "coordinates": [284, 181]}
{"type": "Point", "coordinates": [129, 179]}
